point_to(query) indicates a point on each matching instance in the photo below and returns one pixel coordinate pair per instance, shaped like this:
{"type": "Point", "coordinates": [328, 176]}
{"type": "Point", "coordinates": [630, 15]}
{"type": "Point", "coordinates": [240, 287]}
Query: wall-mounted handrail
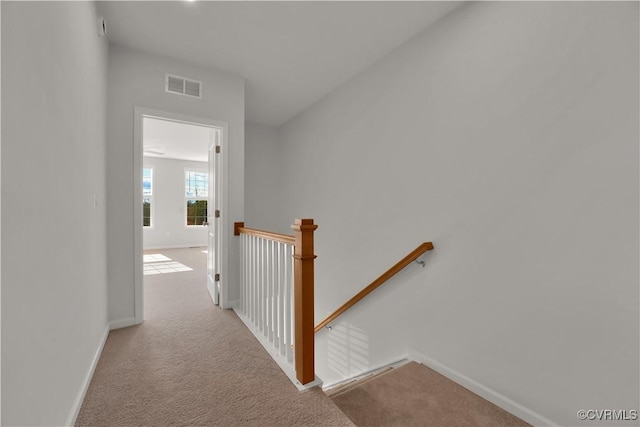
{"type": "Point", "coordinates": [239, 227]}
{"type": "Point", "coordinates": [424, 247]}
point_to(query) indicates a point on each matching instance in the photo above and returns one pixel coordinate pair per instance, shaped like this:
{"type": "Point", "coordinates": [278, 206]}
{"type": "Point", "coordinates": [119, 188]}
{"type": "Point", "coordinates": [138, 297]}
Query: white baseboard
{"type": "Point", "coordinates": [77, 403]}
{"type": "Point", "coordinates": [233, 304]}
{"type": "Point", "coordinates": [123, 323]}
{"type": "Point", "coordinates": [158, 248]}
{"type": "Point", "coordinates": [492, 396]}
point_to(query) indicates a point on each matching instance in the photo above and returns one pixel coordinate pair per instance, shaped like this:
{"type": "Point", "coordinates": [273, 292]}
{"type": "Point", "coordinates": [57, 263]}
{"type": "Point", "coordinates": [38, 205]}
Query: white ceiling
{"type": "Point", "coordinates": [175, 140]}
{"type": "Point", "coordinates": [290, 53]}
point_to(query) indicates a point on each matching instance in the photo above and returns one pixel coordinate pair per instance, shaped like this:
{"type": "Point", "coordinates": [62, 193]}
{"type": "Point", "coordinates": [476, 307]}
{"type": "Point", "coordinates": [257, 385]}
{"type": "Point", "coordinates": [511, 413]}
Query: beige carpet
{"type": "Point", "coordinates": [192, 364]}
{"type": "Point", "coordinates": [414, 395]}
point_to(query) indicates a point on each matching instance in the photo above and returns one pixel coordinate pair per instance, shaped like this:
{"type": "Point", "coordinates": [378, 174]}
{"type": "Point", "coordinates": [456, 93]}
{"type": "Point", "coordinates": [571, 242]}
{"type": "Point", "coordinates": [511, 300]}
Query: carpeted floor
{"type": "Point", "coordinates": [414, 395]}
{"type": "Point", "coordinates": [193, 364]}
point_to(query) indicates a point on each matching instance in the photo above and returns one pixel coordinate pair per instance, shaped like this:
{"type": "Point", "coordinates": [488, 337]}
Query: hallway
{"type": "Point", "coordinates": [191, 363]}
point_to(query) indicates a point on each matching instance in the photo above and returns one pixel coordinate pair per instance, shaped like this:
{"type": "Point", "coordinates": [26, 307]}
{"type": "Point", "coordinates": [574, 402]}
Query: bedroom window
{"type": "Point", "coordinates": [196, 184]}
{"type": "Point", "coordinates": [147, 196]}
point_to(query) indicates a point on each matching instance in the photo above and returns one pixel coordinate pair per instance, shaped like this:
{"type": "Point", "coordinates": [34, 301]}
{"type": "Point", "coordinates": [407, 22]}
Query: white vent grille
{"type": "Point", "coordinates": [183, 86]}
{"type": "Point", "coordinates": [192, 88]}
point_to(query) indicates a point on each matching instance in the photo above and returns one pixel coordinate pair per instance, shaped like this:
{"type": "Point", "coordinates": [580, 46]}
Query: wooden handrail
{"type": "Point", "coordinates": [424, 247]}
{"type": "Point", "coordinates": [238, 227]}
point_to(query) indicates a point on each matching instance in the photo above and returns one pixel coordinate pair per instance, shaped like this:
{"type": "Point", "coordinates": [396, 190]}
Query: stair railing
{"type": "Point", "coordinates": [277, 281]}
{"type": "Point", "coordinates": [412, 256]}
{"type": "Point", "coordinates": [277, 291]}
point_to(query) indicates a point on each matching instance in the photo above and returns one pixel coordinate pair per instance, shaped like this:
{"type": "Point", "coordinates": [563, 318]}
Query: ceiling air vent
{"type": "Point", "coordinates": [182, 86]}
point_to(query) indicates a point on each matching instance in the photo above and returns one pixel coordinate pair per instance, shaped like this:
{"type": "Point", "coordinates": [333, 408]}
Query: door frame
{"type": "Point", "coordinates": [222, 176]}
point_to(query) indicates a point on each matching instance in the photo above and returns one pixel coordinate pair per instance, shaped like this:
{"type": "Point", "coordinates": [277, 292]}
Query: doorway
{"type": "Point", "coordinates": [179, 197]}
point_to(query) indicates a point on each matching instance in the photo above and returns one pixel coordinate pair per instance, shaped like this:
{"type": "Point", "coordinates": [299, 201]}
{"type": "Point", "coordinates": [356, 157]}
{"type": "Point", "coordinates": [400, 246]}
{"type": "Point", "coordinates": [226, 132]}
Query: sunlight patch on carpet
{"type": "Point", "coordinates": [162, 264]}
{"type": "Point", "coordinates": [155, 258]}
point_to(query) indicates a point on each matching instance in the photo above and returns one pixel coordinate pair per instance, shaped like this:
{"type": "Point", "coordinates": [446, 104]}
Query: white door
{"type": "Point", "coordinates": [213, 219]}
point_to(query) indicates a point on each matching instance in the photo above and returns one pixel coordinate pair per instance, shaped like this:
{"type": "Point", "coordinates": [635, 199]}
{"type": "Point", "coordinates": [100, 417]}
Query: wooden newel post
{"type": "Point", "coordinates": [303, 276]}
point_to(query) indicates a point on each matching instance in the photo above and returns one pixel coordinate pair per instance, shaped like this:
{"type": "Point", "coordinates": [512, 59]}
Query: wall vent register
{"type": "Point", "coordinates": [183, 86]}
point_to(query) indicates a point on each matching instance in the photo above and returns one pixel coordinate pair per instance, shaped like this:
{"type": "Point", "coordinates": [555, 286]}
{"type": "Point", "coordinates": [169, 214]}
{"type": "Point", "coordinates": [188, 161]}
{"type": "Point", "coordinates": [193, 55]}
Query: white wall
{"type": "Point", "coordinates": [137, 79]}
{"type": "Point", "coordinates": [507, 134]}
{"type": "Point", "coordinates": [54, 290]}
{"type": "Point", "coordinates": [262, 178]}
{"type": "Point", "coordinates": [168, 220]}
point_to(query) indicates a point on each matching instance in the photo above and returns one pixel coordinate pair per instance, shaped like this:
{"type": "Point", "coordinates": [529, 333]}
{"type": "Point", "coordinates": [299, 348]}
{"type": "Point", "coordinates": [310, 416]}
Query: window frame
{"type": "Point", "coordinates": [197, 198]}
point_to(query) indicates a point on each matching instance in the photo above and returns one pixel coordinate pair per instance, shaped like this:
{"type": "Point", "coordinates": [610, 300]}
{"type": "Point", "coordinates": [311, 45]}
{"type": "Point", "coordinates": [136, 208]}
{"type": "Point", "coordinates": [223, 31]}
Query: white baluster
{"type": "Point", "coordinates": [249, 270]}
{"type": "Point", "coordinates": [288, 303]}
{"type": "Point", "coordinates": [272, 294]}
{"type": "Point", "coordinates": [264, 287]}
{"type": "Point", "coordinates": [267, 289]}
{"type": "Point", "coordinates": [246, 274]}
{"type": "Point", "coordinates": [254, 272]}
{"type": "Point", "coordinates": [280, 279]}
{"type": "Point", "coordinates": [242, 272]}
{"type": "Point", "coordinates": [247, 279]}
{"type": "Point", "coordinates": [261, 285]}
